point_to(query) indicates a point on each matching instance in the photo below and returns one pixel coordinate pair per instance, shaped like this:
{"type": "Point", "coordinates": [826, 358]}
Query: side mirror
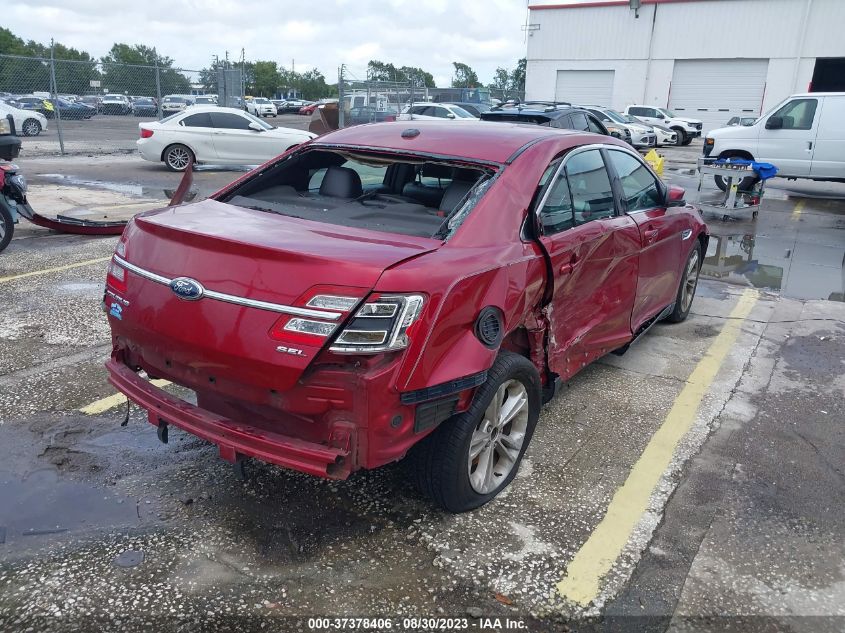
{"type": "Point", "coordinates": [675, 196]}
{"type": "Point", "coordinates": [774, 123]}
{"type": "Point", "coordinates": [255, 127]}
{"type": "Point", "coordinates": [450, 116]}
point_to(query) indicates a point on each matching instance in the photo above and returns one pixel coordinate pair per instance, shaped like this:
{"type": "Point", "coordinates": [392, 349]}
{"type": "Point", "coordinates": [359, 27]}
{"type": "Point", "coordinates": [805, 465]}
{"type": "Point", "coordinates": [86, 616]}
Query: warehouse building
{"type": "Point", "coordinates": [706, 59]}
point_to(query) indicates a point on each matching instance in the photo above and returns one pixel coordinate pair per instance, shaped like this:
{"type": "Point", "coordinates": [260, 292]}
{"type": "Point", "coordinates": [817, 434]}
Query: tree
{"type": "Point", "coordinates": [131, 70]}
{"type": "Point", "coordinates": [501, 79]}
{"type": "Point", "coordinates": [417, 76]}
{"type": "Point", "coordinates": [265, 79]}
{"type": "Point", "coordinates": [312, 85]}
{"type": "Point", "coordinates": [464, 76]}
{"type": "Point", "coordinates": [517, 79]}
{"type": "Point", "coordinates": [381, 71]}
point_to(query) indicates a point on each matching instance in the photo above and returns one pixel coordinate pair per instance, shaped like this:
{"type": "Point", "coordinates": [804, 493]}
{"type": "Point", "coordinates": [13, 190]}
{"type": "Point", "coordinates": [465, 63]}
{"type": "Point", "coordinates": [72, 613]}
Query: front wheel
{"type": "Point", "coordinates": [7, 227]}
{"type": "Point", "coordinates": [686, 289]}
{"type": "Point", "coordinates": [31, 127]}
{"type": "Point", "coordinates": [474, 455]}
{"type": "Point", "coordinates": [680, 137]}
{"type": "Point", "coordinates": [177, 157]}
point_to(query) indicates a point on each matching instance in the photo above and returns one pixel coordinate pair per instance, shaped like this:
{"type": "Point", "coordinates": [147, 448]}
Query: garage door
{"type": "Point", "coordinates": [714, 90]}
{"type": "Point", "coordinates": [585, 87]}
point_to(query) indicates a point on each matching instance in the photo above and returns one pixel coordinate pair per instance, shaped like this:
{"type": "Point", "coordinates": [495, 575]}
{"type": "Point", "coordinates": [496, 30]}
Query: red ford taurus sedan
{"type": "Point", "coordinates": [409, 288]}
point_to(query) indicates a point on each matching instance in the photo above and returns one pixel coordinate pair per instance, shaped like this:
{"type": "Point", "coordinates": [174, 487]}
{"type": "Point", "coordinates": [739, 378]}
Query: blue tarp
{"type": "Point", "coordinates": [763, 170]}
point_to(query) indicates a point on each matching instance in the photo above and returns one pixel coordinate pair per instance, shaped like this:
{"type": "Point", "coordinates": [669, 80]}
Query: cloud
{"type": "Point", "coordinates": [322, 34]}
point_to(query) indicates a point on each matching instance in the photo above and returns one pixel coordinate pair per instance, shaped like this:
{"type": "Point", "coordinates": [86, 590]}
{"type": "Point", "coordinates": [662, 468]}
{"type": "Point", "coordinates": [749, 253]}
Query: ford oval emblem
{"type": "Point", "coordinates": [187, 289]}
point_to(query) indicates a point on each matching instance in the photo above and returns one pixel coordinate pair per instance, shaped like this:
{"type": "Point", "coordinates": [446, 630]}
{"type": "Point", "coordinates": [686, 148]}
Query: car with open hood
{"type": "Point", "coordinates": [413, 288]}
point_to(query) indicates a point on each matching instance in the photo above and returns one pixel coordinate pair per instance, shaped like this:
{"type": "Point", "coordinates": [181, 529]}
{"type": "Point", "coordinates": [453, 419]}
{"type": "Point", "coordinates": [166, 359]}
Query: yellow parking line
{"type": "Point", "coordinates": [109, 402]}
{"type": "Point", "coordinates": [799, 207]}
{"type": "Point", "coordinates": [57, 269]}
{"type": "Point", "coordinates": [595, 558]}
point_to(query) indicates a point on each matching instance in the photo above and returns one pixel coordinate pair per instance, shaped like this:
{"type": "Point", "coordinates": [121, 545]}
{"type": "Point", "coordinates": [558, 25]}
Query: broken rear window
{"type": "Point", "coordinates": [397, 194]}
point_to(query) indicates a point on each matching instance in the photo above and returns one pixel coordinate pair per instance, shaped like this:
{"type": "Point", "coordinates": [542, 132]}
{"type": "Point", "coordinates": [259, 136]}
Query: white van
{"type": "Point", "coordinates": [804, 137]}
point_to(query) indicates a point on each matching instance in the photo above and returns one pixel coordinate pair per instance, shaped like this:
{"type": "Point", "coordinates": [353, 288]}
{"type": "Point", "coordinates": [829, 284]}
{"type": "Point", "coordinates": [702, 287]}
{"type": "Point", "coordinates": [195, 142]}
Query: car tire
{"type": "Point", "coordinates": [687, 286]}
{"type": "Point", "coordinates": [681, 136]}
{"type": "Point", "coordinates": [7, 227]}
{"type": "Point", "coordinates": [744, 185]}
{"type": "Point", "coordinates": [441, 463]}
{"type": "Point", "coordinates": [687, 140]}
{"type": "Point", "coordinates": [31, 127]}
{"type": "Point", "coordinates": [176, 157]}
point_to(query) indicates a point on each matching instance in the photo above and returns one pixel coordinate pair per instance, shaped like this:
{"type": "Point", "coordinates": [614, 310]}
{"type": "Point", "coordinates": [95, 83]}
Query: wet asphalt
{"type": "Point", "coordinates": [104, 528]}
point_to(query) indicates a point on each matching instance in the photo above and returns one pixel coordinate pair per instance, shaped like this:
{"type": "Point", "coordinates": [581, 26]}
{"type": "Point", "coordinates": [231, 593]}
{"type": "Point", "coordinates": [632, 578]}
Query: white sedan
{"type": "Point", "coordinates": [27, 122]}
{"type": "Point", "coordinates": [435, 111]}
{"type": "Point", "coordinates": [219, 136]}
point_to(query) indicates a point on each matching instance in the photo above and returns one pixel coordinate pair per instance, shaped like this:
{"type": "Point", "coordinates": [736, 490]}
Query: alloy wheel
{"type": "Point", "coordinates": [690, 281]}
{"type": "Point", "coordinates": [31, 128]}
{"type": "Point", "coordinates": [497, 441]}
{"type": "Point", "coordinates": [178, 158]}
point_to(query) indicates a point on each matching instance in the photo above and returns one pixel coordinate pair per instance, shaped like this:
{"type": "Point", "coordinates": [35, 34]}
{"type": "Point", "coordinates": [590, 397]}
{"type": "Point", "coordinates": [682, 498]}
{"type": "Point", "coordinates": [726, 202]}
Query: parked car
{"type": "Point", "coordinates": [556, 115]}
{"type": "Point", "coordinates": [292, 106]}
{"type": "Point", "coordinates": [27, 122]}
{"type": "Point", "coordinates": [475, 109]}
{"type": "Point", "coordinates": [35, 104]}
{"type": "Point", "coordinates": [116, 104]}
{"type": "Point", "coordinates": [640, 134]}
{"type": "Point", "coordinates": [423, 111]}
{"type": "Point", "coordinates": [205, 100]}
{"type": "Point", "coordinates": [68, 110]}
{"type": "Point", "coordinates": [93, 101]}
{"type": "Point", "coordinates": [741, 120]}
{"type": "Point", "coordinates": [308, 108]}
{"type": "Point", "coordinates": [368, 114]}
{"type": "Point", "coordinates": [174, 103]}
{"type": "Point", "coordinates": [210, 134]}
{"type": "Point", "coordinates": [802, 136]}
{"type": "Point", "coordinates": [386, 291]}
{"type": "Point", "coordinates": [663, 134]}
{"type": "Point", "coordinates": [686, 129]}
{"type": "Point", "coordinates": [145, 106]}
{"type": "Point", "coordinates": [260, 106]}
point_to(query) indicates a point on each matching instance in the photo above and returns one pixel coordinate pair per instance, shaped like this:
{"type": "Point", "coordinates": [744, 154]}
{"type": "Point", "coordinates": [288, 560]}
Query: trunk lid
{"type": "Point", "coordinates": [246, 254]}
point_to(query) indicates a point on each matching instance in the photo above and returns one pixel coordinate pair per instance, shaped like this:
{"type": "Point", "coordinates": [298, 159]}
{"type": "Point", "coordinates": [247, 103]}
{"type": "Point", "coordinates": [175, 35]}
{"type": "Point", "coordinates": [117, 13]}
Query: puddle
{"type": "Point", "coordinates": [129, 189]}
{"type": "Point", "coordinates": [787, 265]}
{"type": "Point", "coordinates": [40, 503]}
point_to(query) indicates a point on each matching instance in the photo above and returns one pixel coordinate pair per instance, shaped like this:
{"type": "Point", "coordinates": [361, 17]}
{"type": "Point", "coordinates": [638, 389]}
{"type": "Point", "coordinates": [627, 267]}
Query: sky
{"type": "Point", "coordinates": [321, 34]}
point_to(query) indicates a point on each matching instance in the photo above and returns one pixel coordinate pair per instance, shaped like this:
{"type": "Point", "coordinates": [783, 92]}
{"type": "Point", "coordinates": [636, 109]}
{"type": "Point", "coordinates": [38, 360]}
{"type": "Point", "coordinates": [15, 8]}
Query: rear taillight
{"type": "Point", "coordinates": [116, 275]}
{"type": "Point", "coordinates": [145, 133]}
{"type": "Point", "coordinates": [382, 324]}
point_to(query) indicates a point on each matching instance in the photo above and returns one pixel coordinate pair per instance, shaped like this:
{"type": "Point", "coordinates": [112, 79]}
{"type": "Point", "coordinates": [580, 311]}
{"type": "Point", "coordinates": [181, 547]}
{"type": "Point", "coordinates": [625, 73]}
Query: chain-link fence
{"type": "Point", "coordinates": [371, 101]}
{"type": "Point", "coordinates": [70, 106]}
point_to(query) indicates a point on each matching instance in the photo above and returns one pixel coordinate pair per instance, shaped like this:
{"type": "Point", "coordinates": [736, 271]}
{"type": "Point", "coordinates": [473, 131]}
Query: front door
{"type": "Point", "coordinates": [663, 232]}
{"type": "Point", "coordinates": [594, 253]}
{"type": "Point", "coordinates": [236, 143]}
{"type": "Point", "coordinates": [199, 135]}
{"type": "Point", "coordinates": [790, 146]}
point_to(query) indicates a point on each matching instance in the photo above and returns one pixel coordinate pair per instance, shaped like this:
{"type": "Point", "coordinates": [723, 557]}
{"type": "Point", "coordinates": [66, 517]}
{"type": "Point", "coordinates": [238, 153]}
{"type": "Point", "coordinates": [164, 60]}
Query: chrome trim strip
{"type": "Point", "coordinates": [241, 301]}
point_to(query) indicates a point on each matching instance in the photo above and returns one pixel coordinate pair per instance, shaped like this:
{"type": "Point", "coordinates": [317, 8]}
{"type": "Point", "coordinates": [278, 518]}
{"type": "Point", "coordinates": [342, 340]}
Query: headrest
{"type": "Point", "coordinates": [455, 192]}
{"type": "Point", "coordinates": [341, 182]}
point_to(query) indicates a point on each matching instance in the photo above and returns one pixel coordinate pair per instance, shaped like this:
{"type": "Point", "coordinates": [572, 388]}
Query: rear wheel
{"type": "Point", "coordinates": [7, 227]}
{"type": "Point", "coordinates": [474, 455]}
{"type": "Point", "coordinates": [31, 127]}
{"type": "Point", "coordinates": [177, 157]}
{"type": "Point", "coordinates": [686, 289]}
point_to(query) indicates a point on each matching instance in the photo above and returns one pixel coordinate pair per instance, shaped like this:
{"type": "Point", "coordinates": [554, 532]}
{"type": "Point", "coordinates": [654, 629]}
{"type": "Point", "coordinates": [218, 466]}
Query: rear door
{"type": "Point", "coordinates": [663, 232]}
{"type": "Point", "coordinates": [594, 252]}
{"type": "Point", "coordinates": [829, 150]}
{"type": "Point", "coordinates": [790, 147]}
{"type": "Point", "coordinates": [198, 133]}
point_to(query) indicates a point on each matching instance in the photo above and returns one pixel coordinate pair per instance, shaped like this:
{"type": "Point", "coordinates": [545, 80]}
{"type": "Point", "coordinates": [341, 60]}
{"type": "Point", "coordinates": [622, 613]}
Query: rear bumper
{"type": "Point", "coordinates": [233, 439]}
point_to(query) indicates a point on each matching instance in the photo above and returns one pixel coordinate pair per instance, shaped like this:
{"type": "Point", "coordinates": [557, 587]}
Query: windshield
{"type": "Point", "coordinates": [615, 116]}
{"type": "Point", "coordinates": [266, 126]}
{"type": "Point", "coordinates": [260, 100]}
{"type": "Point", "coordinates": [666, 112]}
{"type": "Point", "coordinates": [173, 100]}
{"type": "Point", "coordinates": [461, 113]}
{"type": "Point", "coordinates": [408, 195]}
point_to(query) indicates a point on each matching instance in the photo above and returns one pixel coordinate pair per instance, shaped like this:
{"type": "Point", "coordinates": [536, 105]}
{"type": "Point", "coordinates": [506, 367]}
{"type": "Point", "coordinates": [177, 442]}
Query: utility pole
{"type": "Point", "coordinates": [340, 82]}
{"type": "Point", "coordinates": [55, 90]}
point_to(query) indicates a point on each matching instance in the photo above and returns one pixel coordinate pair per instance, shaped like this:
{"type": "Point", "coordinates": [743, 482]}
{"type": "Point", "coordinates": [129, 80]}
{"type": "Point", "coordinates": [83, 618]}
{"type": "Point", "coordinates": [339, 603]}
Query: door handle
{"type": "Point", "coordinates": [569, 266]}
{"type": "Point", "coordinates": [809, 146]}
{"type": "Point", "coordinates": [650, 235]}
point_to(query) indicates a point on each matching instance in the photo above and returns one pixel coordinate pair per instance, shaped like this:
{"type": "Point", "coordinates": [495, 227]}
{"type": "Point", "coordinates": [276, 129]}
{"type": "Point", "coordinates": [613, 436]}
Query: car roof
{"type": "Point", "coordinates": [482, 141]}
{"type": "Point", "coordinates": [198, 109]}
{"type": "Point", "coordinates": [551, 113]}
